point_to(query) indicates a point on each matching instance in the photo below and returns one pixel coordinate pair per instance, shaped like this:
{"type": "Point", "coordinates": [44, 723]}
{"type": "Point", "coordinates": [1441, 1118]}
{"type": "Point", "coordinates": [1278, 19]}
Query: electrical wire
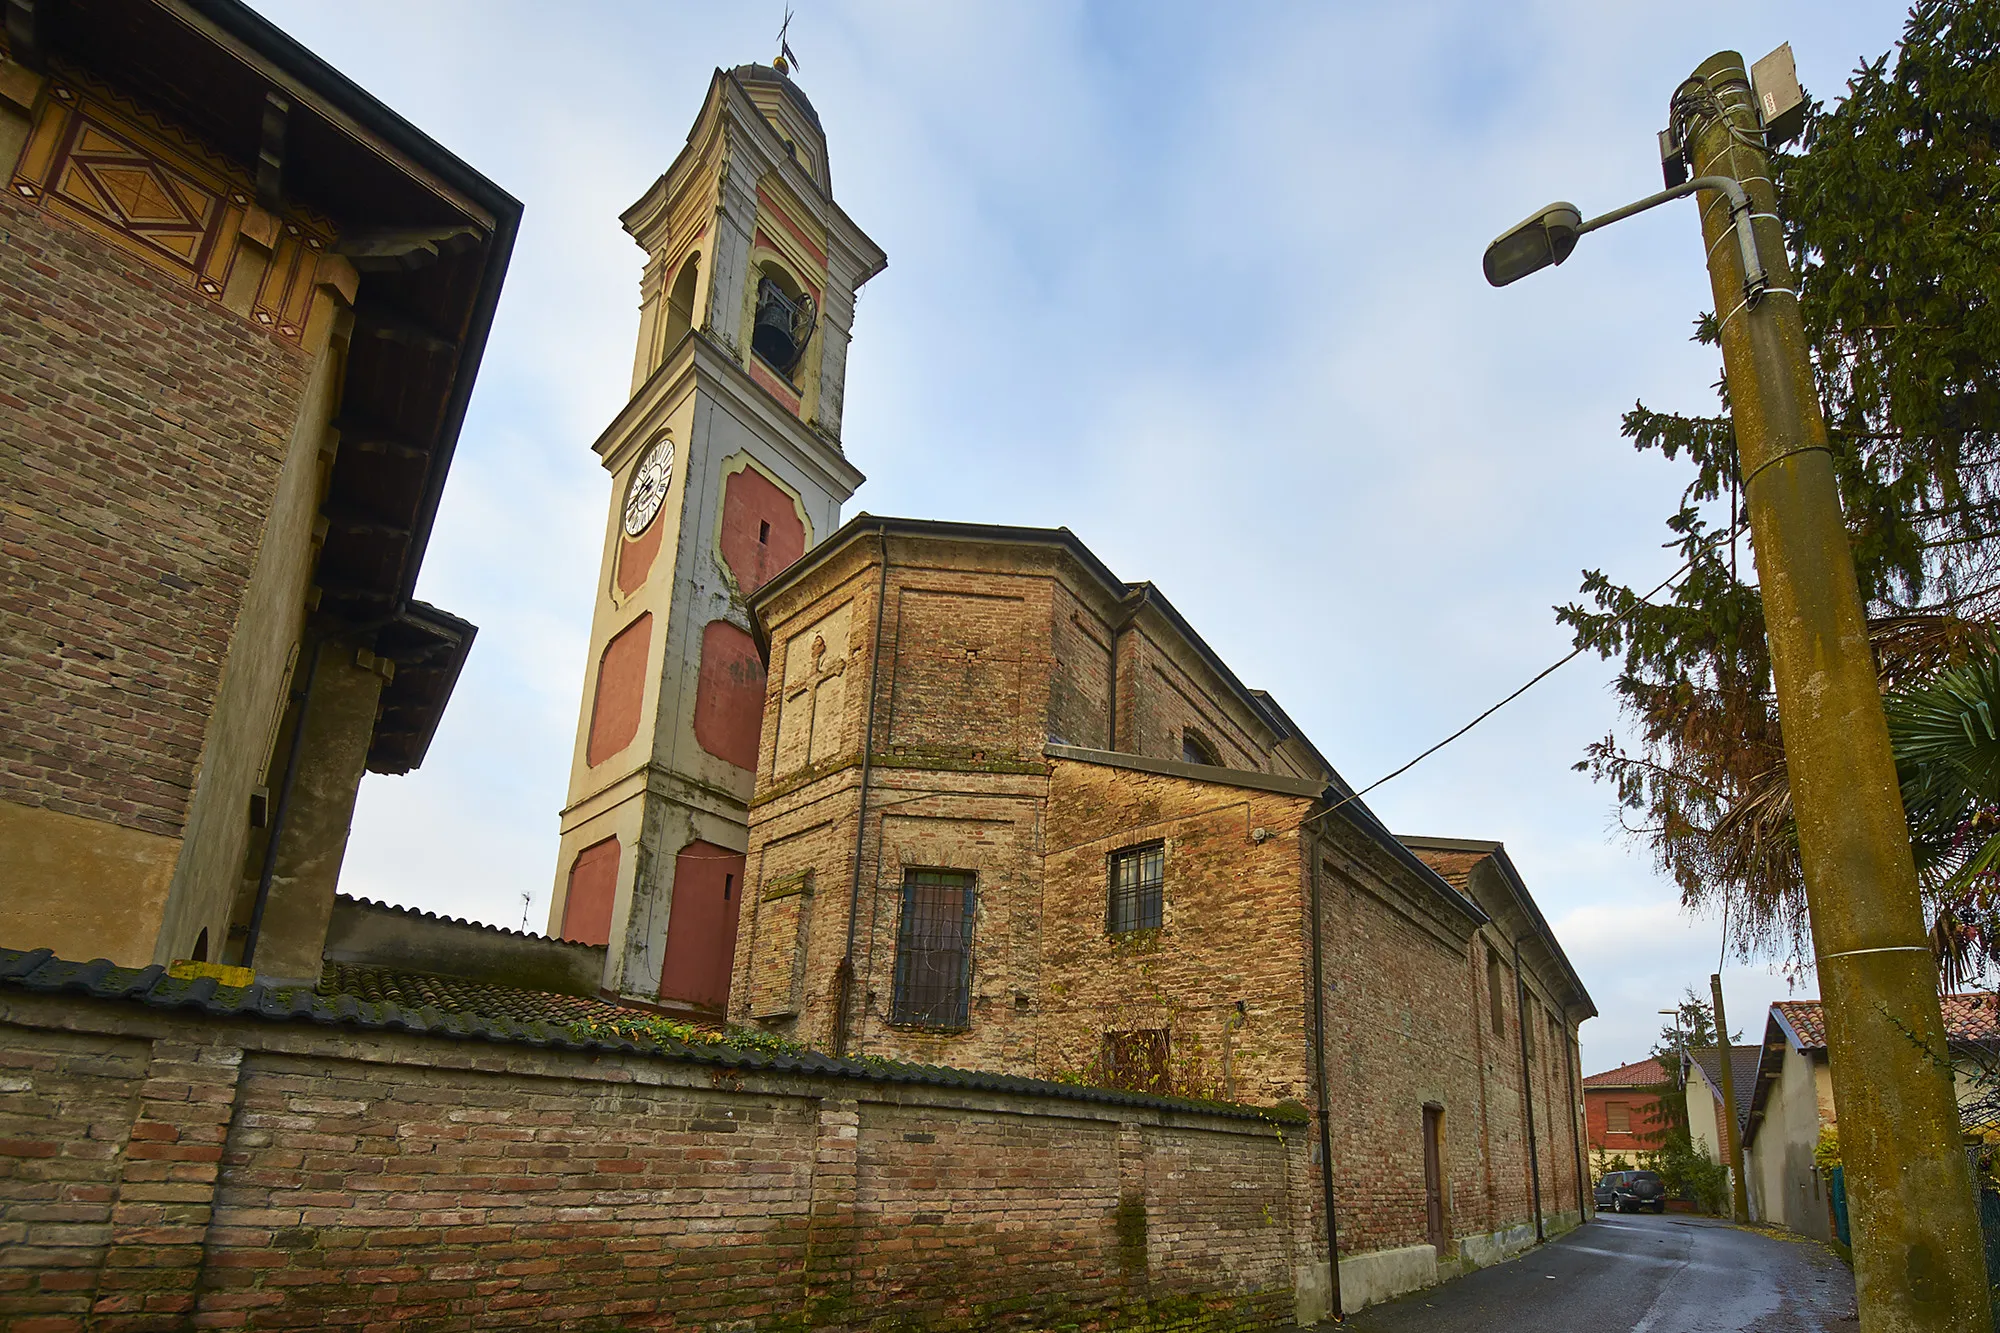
{"type": "Point", "coordinates": [1729, 535]}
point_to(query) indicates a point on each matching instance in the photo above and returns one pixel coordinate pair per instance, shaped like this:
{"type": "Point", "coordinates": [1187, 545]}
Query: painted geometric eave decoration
{"type": "Point", "coordinates": [113, 168]}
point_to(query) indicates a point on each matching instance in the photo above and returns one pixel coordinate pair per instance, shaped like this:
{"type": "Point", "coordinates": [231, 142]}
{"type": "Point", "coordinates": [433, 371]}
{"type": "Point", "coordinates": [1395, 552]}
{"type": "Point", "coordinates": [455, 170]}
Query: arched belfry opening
{"type": "Point", "coordinates": [680, 303]}
{"type": "Point", "coordinates": [784, 321]}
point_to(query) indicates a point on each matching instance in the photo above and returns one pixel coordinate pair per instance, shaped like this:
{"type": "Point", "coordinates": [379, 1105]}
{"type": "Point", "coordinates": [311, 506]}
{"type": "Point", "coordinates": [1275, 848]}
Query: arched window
{"type": "Point", "coordinates": [786, 316]}
{"type": "Point", "coordinates": [680, 303]}
{"type": "Point", "coordinates": [200, 954]}
{"type": "Point", "coordinates": [1195, 749]}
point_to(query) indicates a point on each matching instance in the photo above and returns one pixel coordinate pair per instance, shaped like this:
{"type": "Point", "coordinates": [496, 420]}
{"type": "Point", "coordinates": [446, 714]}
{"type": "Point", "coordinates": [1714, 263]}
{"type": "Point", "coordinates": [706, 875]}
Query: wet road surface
{"type": "Point", "coordinates": [1639, 1274]}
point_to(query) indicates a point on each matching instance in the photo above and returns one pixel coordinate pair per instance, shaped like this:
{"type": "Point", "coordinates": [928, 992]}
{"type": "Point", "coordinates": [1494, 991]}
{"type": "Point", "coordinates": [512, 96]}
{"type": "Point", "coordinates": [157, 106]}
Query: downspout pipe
{"type": "Point", "coordinates": [1319, 1067]}
{"type": "Point", "coordinates": [301, 698]}
{"type": "Point", "coordinates": [846, 990]}
{"type": "Point", "coordinates": [1575, 1139]}
{"type": "Point", "coordinates": [1528, 1092]}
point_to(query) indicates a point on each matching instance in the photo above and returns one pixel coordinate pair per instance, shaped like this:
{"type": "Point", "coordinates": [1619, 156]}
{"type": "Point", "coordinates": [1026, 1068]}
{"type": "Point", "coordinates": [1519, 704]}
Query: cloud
{"type": "Point", "coordinates": [1200, 282]}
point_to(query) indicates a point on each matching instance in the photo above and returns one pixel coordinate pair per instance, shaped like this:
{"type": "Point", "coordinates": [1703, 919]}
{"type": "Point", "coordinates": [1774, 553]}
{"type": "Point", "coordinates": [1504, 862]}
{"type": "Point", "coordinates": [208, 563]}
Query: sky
{"type": "Point", "coordinates": [1199, 282]}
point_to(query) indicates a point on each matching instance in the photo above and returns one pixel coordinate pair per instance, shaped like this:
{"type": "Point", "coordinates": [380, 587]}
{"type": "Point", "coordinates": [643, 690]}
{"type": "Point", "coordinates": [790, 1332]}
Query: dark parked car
{"type": "Point", "coordinates": [1631, 1191]}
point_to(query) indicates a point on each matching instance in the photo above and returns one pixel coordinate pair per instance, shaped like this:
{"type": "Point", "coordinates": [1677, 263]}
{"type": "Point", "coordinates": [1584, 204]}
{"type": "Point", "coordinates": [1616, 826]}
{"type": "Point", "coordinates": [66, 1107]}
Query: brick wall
{"type": "Point", "coordinates": [1401, 1037]}
{"type": "Point", "coordinates": [160, 1169]}
{"type": "Point", "coordinates": [1642, 1115]}
{"type": "Point", "coordinates": [1080, 686]}
{"type": "Point", "coordinates": [1020, 643]}
{"type": "Point", "coordinates": [1160, 697]}
{"type": "Point", "coordinates": [145, 428]}
{"type": "Point", "coordinates": [1230, 933]}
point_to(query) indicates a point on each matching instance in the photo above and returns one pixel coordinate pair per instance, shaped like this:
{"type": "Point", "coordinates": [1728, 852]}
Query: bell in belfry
{"type": "Point", "coordinates": [783, 325]}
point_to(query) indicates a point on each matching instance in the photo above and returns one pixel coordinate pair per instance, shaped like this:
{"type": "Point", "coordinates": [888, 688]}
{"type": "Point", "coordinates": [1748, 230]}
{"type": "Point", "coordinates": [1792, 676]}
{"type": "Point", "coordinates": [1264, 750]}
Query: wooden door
{"type": "Point", "coordinates": [1434, 1177]}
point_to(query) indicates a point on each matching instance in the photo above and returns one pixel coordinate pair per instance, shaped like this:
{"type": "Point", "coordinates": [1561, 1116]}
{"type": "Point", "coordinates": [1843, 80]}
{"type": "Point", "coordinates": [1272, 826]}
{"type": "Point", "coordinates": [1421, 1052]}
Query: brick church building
{"type": "Point", "coordinates": [914, 877]}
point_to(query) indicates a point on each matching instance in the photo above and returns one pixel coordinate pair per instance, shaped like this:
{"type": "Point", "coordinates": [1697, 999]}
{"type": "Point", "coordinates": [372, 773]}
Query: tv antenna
{"type": "Point", "coordinates": [786, 60]}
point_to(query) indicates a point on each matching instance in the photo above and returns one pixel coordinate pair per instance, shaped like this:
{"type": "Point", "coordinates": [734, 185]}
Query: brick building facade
{"type": "Point", "coordinates": [243, 304]}
{"type": "Point", "coordinates": [1622, 1114]}
{"type": "Point", "coordinates": [1012, 813]}
{"type": "Point", "coordinates": [914, 799]}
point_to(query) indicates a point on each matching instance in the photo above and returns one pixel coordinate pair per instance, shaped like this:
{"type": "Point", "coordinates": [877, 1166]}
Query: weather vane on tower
{"type": "Point", "coordinates": [785, 61]}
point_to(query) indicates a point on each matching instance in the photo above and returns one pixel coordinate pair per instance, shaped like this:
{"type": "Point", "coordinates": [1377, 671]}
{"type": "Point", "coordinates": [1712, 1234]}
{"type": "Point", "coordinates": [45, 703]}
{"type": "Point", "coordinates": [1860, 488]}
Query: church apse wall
{"type": "Point", "coordinates": [1191, 981]}
{"type": "Point", "coordinates": [974, 889]}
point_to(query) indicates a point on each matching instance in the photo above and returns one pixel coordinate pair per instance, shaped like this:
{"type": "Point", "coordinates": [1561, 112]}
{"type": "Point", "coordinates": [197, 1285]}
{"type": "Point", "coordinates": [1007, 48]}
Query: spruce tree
{"type": "Point", "coordinates": [1889, 211]}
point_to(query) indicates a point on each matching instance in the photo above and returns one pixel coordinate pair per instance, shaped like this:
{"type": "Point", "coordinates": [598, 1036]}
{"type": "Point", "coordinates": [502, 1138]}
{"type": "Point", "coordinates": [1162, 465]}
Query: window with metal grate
{"type": "Point", "coordinates": [1138, 889]}
{"type": "Point", "coordinates": [934, 949]}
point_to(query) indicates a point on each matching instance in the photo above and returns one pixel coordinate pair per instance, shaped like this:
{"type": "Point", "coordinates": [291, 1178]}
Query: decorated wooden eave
{"type": "Point", "coordinates": [344, 176]}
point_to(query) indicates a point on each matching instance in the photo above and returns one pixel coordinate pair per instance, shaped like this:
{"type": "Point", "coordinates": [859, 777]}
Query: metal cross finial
{"type": "Point", "coordinates": [785, 56]}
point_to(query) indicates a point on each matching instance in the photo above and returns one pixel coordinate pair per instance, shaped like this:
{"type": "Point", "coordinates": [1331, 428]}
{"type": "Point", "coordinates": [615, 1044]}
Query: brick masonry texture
{"type": "Point", "coordinates": [1642, 1114]}
{"type": "Point", "coordinates": [988, 652]}
{"type": "Point", "coordinates": [160, 1171]}
{"type": "Point", "coordinates": [144, 430]}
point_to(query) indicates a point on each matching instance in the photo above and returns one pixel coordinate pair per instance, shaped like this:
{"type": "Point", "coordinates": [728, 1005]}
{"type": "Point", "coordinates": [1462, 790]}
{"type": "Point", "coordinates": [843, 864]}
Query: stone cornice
{"type": "Point", "coordinates": [698, 363]}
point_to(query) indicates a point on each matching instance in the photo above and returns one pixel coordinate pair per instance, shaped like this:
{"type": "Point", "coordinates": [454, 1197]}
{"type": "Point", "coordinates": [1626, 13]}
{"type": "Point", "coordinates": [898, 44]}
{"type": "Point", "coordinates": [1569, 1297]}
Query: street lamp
{"type": "Point", "coordinates": [1680, 1041]}
{"type": "Point", "coordinates": [1918, 1260]}
{"type": "Point", "coordinates": [1549, 236]}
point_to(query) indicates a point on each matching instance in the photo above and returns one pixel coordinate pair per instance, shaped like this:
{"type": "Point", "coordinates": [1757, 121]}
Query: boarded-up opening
{"type": "Point", "coordinates": [1434, 1228]}
{"type": "Point", "coordinates": [778, 950]}
{"type": "Point", "coordinates": [621, 691]}
{"type": "Point", "coordinates": [701, 927]}
{"type": "Point", "coordinates": [593, 885]}
{"type": "Point", "coordinates": [729, 694]}
{"type": "Point", "coordinates": [1496, 1006]}
{"type": "Point", "coordinates": [761, 531]}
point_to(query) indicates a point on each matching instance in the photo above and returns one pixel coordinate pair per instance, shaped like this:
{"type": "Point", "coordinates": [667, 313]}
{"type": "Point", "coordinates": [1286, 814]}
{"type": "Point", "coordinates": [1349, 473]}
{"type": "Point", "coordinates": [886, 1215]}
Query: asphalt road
{"type": "Point", "coordinates": [1639, 1274]}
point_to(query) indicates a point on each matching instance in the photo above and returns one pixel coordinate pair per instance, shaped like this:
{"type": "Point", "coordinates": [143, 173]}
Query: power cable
{"type": "Point", "coordinates": [1729, 535]}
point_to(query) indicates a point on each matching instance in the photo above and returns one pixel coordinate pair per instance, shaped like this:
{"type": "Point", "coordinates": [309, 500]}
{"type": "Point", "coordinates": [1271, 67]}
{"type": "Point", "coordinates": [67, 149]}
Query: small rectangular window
{"type": "Point", "coordinates": [1137, 1061]}
{"type": "Point", "coordinates": [1138, 896]}
{"type": "Point", "coordinates": [934, 949]}
{"type": "Point", "coordinates": [1617, 1118]}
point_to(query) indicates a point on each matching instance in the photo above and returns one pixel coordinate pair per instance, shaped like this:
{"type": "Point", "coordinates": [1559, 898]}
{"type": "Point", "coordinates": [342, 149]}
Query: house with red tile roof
{"type": "Point", "coordinates": [1621, 1111]}
{"type": "Point", "coordinates": [1791, 1103]}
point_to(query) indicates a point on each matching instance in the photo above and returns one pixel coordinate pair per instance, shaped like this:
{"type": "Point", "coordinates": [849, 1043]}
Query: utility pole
{"type": "Point", "coordinates": [1918, 1263]}
{"type": "Point", "coordinates": [1739, 1189]}
{"type": "Point", "coordinates": [1681, 1045]}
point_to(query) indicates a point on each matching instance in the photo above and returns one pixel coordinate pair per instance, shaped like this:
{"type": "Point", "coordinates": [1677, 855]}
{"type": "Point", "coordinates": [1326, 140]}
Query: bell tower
{"type": "Point", "coordinates": [726, 466]}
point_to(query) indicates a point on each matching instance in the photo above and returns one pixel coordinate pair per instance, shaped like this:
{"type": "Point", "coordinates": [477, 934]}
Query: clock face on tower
{"type": "Point", "coordinates": [649, 486]}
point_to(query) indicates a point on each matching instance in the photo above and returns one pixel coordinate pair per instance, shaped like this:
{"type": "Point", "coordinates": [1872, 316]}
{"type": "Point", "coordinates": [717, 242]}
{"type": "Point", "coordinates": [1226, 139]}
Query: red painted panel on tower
{"type": "Point", "coordinates": [729, 695]}
{"type": "Point", "coordinates": [635, 555]}
{"type": "Point", "coordinates": [762, 533]}
{"type": "Point", "coordinates": [593, 884]}
{"type": "Point", "coordinates": [621, 691]}
{"type": "Point", "coordinates": [701, 926]}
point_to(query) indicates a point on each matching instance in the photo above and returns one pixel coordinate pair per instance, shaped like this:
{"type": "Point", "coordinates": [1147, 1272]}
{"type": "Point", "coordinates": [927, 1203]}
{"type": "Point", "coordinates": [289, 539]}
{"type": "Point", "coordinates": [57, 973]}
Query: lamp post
{"type": "Point", "coordinates": [1680, 1075]}
{"type": "Point", "coordinates": [1918, 1262]}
